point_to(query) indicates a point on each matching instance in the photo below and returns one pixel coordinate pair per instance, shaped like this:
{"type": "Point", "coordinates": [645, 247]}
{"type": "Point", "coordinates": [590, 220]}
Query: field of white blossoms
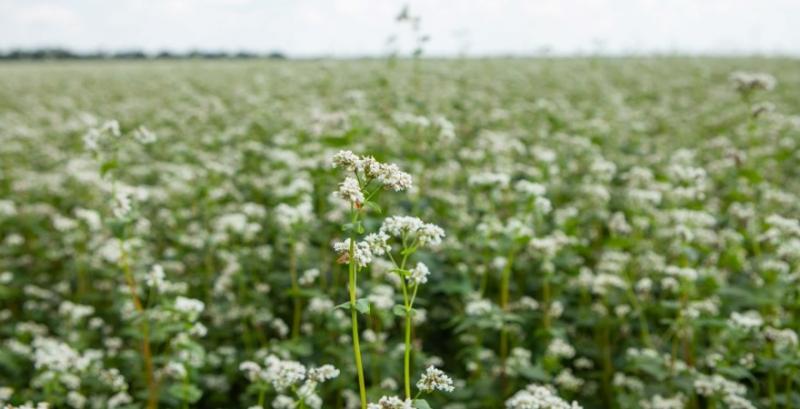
{"type": "Point", "coordinates": [479, 234]}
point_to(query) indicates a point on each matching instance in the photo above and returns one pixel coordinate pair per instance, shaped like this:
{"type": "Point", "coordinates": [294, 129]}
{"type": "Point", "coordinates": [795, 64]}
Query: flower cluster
{"type": "Point", "coordinates": [391, 402]}
{"type": "Point", "coordinates": [538, 397]}
{"type": "Point", "coordinates": [435, 380]}
{"type": "Point", "coordinates": [287, 376]}
{"type": "Point", "coordinates": [747, 82]}
{"type": "Point", "coordinates": [387, 175]}
{"type": "Point", "coordinates": [412, 228]}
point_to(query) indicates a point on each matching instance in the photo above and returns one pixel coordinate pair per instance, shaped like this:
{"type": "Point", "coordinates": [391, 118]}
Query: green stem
{"type": "Point", "coordinates": [185, 403]}
{"type": "Point", "coordinates": [546, 302]}
{"type": "Point", "coordinates": [407, 356]}
{"type": "Point", "coordinates": [147, 356]}
{"type": "Point", "coordinates": [505, 279]}
{"type": "Point", "coordinates": [261, 395]}
{"type": "Point", "coordinates": [773, 404]}
{"type": "Point", "coordinates": [354, 317]}
{"type": "Point", "coordinates": [643, 326]}
{"type": "Point", "coordinates": [297, 314]}
{"type": "Point", "coordinates": [608, 369]}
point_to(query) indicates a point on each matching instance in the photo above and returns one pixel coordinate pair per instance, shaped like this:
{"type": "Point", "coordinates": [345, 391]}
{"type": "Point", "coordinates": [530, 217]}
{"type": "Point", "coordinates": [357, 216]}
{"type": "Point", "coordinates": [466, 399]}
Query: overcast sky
{"type": "Point", "coordinates": [361, 27]}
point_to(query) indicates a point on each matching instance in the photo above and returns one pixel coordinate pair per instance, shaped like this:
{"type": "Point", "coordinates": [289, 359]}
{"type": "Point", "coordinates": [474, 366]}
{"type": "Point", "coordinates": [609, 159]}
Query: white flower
{"type": "Point", "coordinates": [543, 205]}
{"type": "Point", "coordinates": [530, 188]}
{"type": "Point", "coordinates": [560, 348]}
{"type": "Point", "coordinates": [489, 179]}
{"type": "Point", "coordinates": [750, 81]}
{"type": "Point", "coordinates": [568, 381]}
{"type": "Point", "coordinates": [382, 297]}
{"type": "Point", "coordinates": [346, 160]}
{"type": "Point", "coordinates": [283, 402]}
{"type": "Point", "coordinates": [393, 178]}
{"type": "Point", "coordinates": [361, 252]}
{"type": "Point", "coordinates": [323, 373]}
{"type": "Point", "coordinates": [198, 330]}
{"type": "Point", "coordinates": [430, 234]}
{"type": "Point", "coordinates": [251, 370]}
{"type": "Point", "coordinates": [350, 190]}
{"type": "Point", "coordinates": [709, 385]}
{"type": "Point", "coordinates": [309, 276]}
{"type": "Point", "coordinates": [75, 399]}
{"type": "Point", "coordinates": [112, 127]}
{"type": "Point", "coordinates": [783, 338]}
{"type": "Point", "coordinates": [7, 208]}
{"type": "Point", "coordinates": [538, 397]}
{"type": "Point", "coordinates": [56, 356]}
{"type": "Point", "coordinates": [378, 243]}
{"type": "Point", "coordinates": [189, 306]}
{"type": "Point", "coordinates": [280, 327]}
{"type": "Point", "coordinates": [319, 305]}
{"type": "Point", "coordinates": [176, 370]}
{"type": "Point", "coordinates": [397, 226]}
{"type": "Point", "coordinates": [737, 402]}
{"type": "Point", "coordinates": [91, 140]}
{"type": "Point", "coordinates": [747, 320]}
{"type": "Point", "coordinates": [387, 174]}
{"type": "Point", "coordinates": [155, 278]}
{"type": "Point", "coordinates": [282, 374]}
{"type": "Point", "coordinates": [434, 379]}
{"type": "Point", "coordinates": [289, 217]}
{"type": "Point", "coordinates": [478, 307]}
{"type": "Point", "coordinates": [121, 206]}
{"type": "Point", "coordinates": [144, 135]}
{"type": "Point", "coordinates": [121, 398]}
{"type": "Point", "coordinates": [408, 226]}
{"type": "Point", "coordinates": [391, 402]}
{"type": "Point", "coordinates": [75, 312]}
{"type": "Point", "coordinates": [419, 274]}
{"type": "Point", "coordinates": [658, 402]}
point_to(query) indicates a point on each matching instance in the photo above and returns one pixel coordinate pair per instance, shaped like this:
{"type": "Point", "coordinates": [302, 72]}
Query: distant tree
{"type": "Point", "coordinates": [65, 54]}
{"type": "Point", "coordinates": [164, 54]}
{"type": "Point", "coordinates": [129, 55]}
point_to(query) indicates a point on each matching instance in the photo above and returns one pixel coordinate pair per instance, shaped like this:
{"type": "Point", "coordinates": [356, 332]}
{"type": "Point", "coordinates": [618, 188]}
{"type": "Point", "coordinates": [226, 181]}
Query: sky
{"type": "Point", "coordinates": [346, 28]}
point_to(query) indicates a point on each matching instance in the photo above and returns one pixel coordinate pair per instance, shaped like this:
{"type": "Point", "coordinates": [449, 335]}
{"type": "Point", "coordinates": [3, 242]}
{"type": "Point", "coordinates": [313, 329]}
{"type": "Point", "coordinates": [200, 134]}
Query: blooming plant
{"type": "Point", "coordinates": [596, 233]}
{"type": "Point", "coordinates": [360, 190]}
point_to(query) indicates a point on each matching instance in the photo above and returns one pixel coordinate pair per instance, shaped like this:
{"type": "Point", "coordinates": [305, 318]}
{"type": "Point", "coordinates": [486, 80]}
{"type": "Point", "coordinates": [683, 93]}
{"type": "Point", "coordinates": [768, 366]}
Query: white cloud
{"type": "Point", "coordinates": [47, 14]}
{"type": "Point", "coordinates": [352, 27]}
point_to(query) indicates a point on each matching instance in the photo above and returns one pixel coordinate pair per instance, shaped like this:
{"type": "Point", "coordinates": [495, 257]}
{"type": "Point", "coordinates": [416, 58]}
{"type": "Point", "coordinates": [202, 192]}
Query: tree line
{"type": "Point", "coordinates": [66, 54]}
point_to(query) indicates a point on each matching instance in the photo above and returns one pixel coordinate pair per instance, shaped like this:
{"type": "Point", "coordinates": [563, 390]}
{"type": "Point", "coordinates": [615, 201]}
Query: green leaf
{"type": "Point", "coordinates": [343, 306]}
{"type": "Point", "coordinates": [362, 305]}
{"type": "Point", "coordinates": [401, 272]}
{"type": "Point", "coordinates": [399, 310]}
{"type": "Point", "coordinates": [188, 393]}
{"type": "Point", "coordinates": [108, 166]}
{"type": "Point", "coordinates": [374, 206]}
{"type": "Point", "coordinates": [534, 373]}
{"type": "Point", "coordinates": [421, 404]}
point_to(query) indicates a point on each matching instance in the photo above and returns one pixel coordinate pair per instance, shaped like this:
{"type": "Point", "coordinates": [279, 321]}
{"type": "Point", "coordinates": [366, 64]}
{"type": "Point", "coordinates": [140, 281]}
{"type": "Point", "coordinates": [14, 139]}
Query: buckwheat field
{"type": "Point", "coordinates": [454, 234]}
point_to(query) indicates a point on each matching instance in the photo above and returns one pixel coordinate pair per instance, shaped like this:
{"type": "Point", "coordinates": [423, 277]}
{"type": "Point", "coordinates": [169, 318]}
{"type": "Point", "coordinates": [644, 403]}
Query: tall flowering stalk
{"type": "Point", "coordinates": [412, 233]}
{"type": "Point", "coordinates": [104, 144]}
{"type": "Point", "coordinates": [407, 234]}
{"type": "Point", "coordinates": [368, 178]}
